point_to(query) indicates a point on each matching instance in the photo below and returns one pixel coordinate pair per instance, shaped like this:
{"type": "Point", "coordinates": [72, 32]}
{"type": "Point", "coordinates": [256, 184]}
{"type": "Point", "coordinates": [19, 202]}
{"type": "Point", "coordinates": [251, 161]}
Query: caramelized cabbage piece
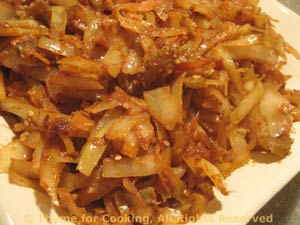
{"type": "Point", "coordinates": [126, 167]}
{"type": "Point", "coordinates": [2, 87]}
{"type": "Point", "coordinates": [140, 108]}
{"type": "Point", "coordinates": [7, 11]}
{"type": "Point", "coordinates": [13, 150]}
{"type": "Point", "coordinates": [96, 145]}
{"type": "Point", "coordinates": [163, 107]}
{"type": "Point", "coordinates": [247, 104]}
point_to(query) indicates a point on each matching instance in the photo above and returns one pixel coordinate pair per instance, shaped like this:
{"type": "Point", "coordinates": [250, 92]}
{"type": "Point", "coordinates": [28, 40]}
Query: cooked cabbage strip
{"type": "Point", "coordinates": [194, 6]}
{"type": "Point", "coordinates": [7, 11]}
{"type": "Point", "coordinates": [30, 139]}
{"type": "Point", "coordinates": [68, 202]}
{"type": "Point", "coordinates": [124, 124]}
{"type": "Point", "coordinates": [24, 110]}
{"type": "Point", "coordinates": [96, 145]}
{"type": "Point", "coordinates": [208, 169]}
{"type": "Point", "coordinates": [230, 66]}
{"type": "Point", "coordinates": [172, 183]}
{"type": "Point", "coordinates": [163, 106]}
{"type": "Point", "coordinates": [20, 180]}
{"type": "Point", "coordinates": [74, 82]}
{"type": "Point", "coordinates": [96, 187]}
{"type": "Point", "coordinates": [23, 168]}
{"type": "Point", "coordinates": [43, 118]}
{"type": "Point", "coordinates": [146, 28]}
{"type": "Point", "coordinates": [272, 109]}
{"type": "Point", "coordinates": [114, 58]}
{"type": "Point", "coordinates": [66, 3]}
{"type": "Point", "coordinates": [127, 167]}
{"type": "Point", "coordinates": [37, 154]}
{"type": "Point", "coordinates": [78, 64]}
{"type": "Point", "coordinates": [239, 145]}
{"type": "Point", "coordinates": [56, 47]}
{"type": "Point", "coordinates": [58, 22]}
{"type": "Point", "coordinates": [197, 82]}
{"type": "Point", "coordinates": [50, 176]}
{"type": "Point", "coordinates": [250, 100]}
{"type": "Point", "coordinates": [176, 91]}
{"type": "Point", "coordinates": [14, 27]}
{"type": "Point", "coordinates": [101, 106]}
{"type": "Point", "coordinates": [2, 87]}
{"type": "Point", "coordinates": [13, 150]}
{"type": "Point", "coordinates": [257, 53]}
{"type": "Point", "coordinates": [72, 181]}
{"type": "Point", "coordinates": [68, 144]}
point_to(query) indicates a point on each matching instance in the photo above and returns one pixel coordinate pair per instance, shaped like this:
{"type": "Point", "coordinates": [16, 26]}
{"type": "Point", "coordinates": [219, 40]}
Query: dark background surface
{"type": "Point", "coordinates": [285, 206]}
{"type": "Point", "coordinates": [292, 4]}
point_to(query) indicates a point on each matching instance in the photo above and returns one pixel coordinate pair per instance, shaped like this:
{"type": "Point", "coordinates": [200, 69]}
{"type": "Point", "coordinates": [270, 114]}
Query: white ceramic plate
{"type": "Point", "coordinates": [251, 186]}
